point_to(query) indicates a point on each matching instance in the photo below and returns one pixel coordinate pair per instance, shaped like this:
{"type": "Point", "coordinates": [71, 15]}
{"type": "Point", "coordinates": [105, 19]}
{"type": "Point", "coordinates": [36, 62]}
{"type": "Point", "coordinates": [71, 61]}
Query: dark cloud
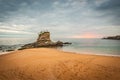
{"type": "Point", "coordinates": [111, 8]}
{"type": "Point", "coordinates": [7, 6]}
{"type": "Point", "coordinates": [10, 6]}
{"type": "Point", "coordinates": [110, 5]}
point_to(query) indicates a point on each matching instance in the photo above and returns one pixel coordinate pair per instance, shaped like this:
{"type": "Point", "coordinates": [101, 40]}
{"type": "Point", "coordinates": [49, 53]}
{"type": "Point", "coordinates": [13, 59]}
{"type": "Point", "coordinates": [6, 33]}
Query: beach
{"type": "Point", "coordinates": [53, 64]}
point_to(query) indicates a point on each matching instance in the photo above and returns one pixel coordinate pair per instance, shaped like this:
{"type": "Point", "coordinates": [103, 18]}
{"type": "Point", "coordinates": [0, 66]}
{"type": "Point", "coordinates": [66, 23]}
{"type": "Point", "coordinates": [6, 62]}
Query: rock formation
{"type": "Point", "coordinates": [44, 40]}
{"type": "Point", "coordinates": [113, 37]}
{"type": "Point", "coordinates": [44, 37]}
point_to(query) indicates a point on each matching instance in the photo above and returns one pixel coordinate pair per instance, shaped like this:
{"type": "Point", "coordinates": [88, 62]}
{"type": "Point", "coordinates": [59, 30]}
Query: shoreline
{"type": "Point", "coordinates": [92, 54]}
{"type": "Point", "coordinates": [53, 64]}
{"type": "Point", "coordinates": [86, 53]}
{"type": "Point", "coordinates": [6, 52]}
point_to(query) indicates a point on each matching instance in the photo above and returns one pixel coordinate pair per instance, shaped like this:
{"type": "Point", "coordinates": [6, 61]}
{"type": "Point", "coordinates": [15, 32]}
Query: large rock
{"type": "Point", "coordinates": [43, 40]}
{"type": "Point", "coordinates": [44, 37]}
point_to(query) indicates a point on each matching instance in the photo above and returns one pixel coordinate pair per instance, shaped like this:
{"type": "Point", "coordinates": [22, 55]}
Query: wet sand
{"type": "Point", "coordinates": [53, 64]}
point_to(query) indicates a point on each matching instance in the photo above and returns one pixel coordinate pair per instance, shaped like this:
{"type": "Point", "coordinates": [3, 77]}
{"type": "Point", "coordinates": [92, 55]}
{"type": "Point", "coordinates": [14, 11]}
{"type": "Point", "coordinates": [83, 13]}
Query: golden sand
{"type": "Point", "coordinates": [53, 64]}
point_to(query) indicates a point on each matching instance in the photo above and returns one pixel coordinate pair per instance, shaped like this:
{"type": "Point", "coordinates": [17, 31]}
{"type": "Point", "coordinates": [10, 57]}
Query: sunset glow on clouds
{"type": "Point", "coordinates": [87, 35]}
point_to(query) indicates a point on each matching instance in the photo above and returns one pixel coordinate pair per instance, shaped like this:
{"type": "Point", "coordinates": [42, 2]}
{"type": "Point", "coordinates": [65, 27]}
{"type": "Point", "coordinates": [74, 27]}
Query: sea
{"type": "Point", "coordinates": [79, 46]}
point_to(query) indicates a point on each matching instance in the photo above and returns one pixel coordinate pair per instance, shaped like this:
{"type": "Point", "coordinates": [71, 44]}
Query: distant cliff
{"type": "Point", "coordinates": [112, 37]}
{"type": "Point", "coordinates": [44, 40]}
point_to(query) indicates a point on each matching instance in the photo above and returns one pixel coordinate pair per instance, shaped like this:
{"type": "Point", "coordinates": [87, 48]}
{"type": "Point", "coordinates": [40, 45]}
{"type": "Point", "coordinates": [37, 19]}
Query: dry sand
{"type": "Point", "coordinates": [52, 64]}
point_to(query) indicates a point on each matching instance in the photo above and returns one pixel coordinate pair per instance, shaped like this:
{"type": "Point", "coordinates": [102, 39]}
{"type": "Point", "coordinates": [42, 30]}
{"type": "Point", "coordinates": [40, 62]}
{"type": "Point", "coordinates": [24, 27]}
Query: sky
{"type": "Point", "coordinates": [63, 18]}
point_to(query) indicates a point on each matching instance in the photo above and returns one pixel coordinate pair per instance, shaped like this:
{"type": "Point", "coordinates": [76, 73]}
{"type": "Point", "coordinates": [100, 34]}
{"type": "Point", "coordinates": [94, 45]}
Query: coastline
{"type": "Point", "coordinates": [7, 52]}
{"type": "Point", "coordinates": [73, 52]}
{"type": "Point", "coordinates": [91, 53]}
{"type": "Point", "coordinates": [53, 64]}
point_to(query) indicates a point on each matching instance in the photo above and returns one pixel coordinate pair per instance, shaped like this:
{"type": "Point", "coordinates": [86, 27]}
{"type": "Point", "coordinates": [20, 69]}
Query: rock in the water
{"type": "Point", "coordinates": [113, 37]}
{"type": "Point", "coordinates": [43, 40]}
{"type": "Point", "coordinates": [67, 43]}
{"type": "Point", "coordinates": [59, 43]}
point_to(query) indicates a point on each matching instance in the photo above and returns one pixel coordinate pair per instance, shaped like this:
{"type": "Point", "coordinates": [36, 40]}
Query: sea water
{"type": "Point", "coordinates": [9, 44]}
{"type": "Point", "coordinates": [94, 46]}
{"type": "Point", "coordinates": [82, 46]}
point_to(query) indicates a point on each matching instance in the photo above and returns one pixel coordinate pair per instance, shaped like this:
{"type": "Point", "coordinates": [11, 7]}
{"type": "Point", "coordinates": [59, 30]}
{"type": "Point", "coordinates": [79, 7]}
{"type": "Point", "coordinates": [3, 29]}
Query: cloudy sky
{"type": "Point", "coordinates": [63, 18]}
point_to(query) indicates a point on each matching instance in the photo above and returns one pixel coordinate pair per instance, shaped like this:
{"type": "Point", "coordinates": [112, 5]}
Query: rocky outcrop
{"type": "Point", "coordinates": [44, 37]}
{"type": "Point", "coordinates": [113, 37]}
{"type": "Point", "coordinates": [44, 40]}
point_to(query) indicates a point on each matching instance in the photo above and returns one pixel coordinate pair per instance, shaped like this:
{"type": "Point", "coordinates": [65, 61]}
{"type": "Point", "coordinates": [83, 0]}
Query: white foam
{"type": "Point", "coordinates": [2, 53]}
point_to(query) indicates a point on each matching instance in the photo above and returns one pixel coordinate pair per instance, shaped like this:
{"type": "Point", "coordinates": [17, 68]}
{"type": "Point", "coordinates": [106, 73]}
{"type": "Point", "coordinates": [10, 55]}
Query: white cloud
{"type": "Point", "coordinates": [14, 31]}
